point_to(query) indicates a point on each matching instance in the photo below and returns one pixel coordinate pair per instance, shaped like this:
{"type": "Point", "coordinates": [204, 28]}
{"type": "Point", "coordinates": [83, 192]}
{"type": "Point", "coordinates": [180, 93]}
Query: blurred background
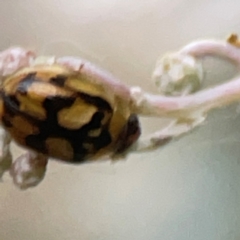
{"type": "Point", "coordinates": [186, 190]}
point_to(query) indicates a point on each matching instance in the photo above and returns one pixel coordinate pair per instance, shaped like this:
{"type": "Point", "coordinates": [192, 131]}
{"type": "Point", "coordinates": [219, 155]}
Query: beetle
{"type": "Point", "coordinates": [67, 114]}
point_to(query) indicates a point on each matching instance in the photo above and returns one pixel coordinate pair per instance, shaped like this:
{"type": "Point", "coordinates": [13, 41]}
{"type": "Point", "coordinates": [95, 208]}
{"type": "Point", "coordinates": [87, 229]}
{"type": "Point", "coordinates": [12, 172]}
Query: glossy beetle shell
{"type": "Point", "coordinates": [58, 112]}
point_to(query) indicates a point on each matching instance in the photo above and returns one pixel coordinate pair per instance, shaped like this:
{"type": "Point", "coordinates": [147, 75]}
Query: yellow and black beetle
{"type": "Point", "coordinates": [66, 114]}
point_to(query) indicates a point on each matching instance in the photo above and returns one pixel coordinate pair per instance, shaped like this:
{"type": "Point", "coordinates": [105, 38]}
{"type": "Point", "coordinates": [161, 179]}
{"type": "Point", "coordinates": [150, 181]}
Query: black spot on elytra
{"type": "Point", "coordinates": [36, 142]}
{"type": "Point", "coordinates": [101, 141]}
{"type": "Point", "coordinates": [26, 82]}
{"type": "Point", "coordinates": [59, 80]}
{"type": "Point", "coordinates": [96, 120]}
{"type": "Point", "coordinates": [10, 109]}
{"type": "Point", "coordinates": [54, 104]}
{"type": "Point", "coordinates": [99, 102]}
{"type": "Point", "coordinates": [80, 156]}
{"type": "Point", "coordinates": [82, 136]}
{"type": "Point", "coordinates": [11, 105]}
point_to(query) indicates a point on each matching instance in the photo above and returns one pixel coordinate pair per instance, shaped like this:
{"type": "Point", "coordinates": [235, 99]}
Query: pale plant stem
{"type": "Point", "coordinates": [214, 48]}
{"type": "Point", "coordinates": [202, 101]}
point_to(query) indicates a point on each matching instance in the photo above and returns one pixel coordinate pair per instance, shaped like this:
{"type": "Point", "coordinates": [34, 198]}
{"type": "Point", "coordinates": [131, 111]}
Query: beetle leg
{"type": "Point", "coordinates": [29, 169]}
